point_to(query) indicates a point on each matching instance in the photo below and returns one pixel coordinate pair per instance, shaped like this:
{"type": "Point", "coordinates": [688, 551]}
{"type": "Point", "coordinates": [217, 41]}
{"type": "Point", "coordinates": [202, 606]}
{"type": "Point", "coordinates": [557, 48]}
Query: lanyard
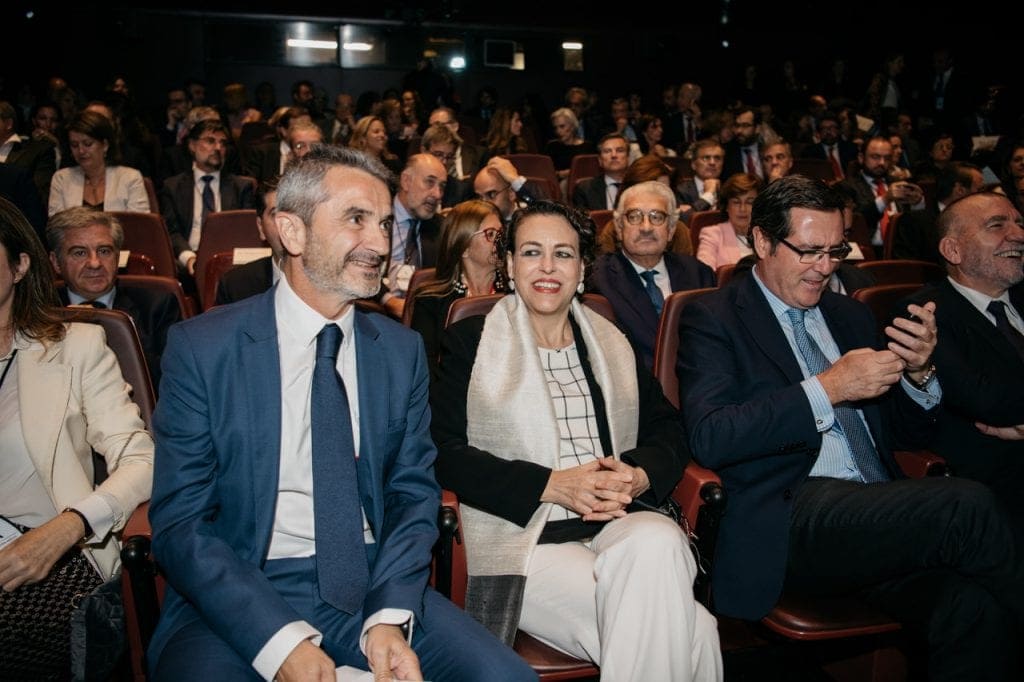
{"type": "Point", "coordinates": [10, 361]}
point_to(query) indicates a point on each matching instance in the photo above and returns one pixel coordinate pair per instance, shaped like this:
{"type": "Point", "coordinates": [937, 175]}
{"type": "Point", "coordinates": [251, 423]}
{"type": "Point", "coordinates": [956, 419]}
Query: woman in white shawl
{"type": "Point", "coordinates": [556, 439]}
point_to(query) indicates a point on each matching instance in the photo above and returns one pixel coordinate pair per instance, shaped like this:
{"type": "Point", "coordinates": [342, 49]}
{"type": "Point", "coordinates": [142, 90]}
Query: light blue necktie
{"type": "Point", "coordinates": [848, 421]}
{"type": "Point", "coordinates": [653, 292]}
{"type": "Point", "coordinates": [341, 565]}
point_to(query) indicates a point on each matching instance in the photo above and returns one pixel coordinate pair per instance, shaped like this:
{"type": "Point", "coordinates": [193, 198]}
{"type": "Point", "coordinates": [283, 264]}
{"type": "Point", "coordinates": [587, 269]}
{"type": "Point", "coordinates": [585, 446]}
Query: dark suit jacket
{"type": "Point", "coordinates": [17, 187]}
{"type": "Point", "coordinates": [512, 489]}
{"type": "Point", "coordinates": [218, 429]}
{"type": "Point", "coordinates": [177, 197]}
{"type": "Point", "coordinates": [748, 418]}
{"type": "Point", "coordinates": [614, 277]}
{"type": "Point", "coordinates": [153, 312]}
{"type": "Point", "coordinates": [244, 281]}
{"type": "Point", "coordinates": [687, 193]}
{"type": "Point", "coordinates": [591, 194]}
{"type": "Point", "coordinates": [981, 376]}
{"type": "Point", "coordinates": [847, 153]}
{"type": "Point", "coordinates": [39, 159]}
{"type": "Point", "coordinates": [917, 237]}
{"type": "Point", "coordinates": [864, 200]}
{"type": "Point", "coordinates": [474, 157]}
{"type": "Point", "coordinates": [733, 162]}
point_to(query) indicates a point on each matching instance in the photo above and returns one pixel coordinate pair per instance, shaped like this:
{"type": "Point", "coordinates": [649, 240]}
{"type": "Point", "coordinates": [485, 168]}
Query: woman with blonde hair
{"type": "Point", "coordinates": [370, 136]}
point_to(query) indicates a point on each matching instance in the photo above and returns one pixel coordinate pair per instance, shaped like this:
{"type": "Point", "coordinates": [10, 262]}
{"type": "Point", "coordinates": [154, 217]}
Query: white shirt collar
{"type": "Point", "coordinates": [298, 321]}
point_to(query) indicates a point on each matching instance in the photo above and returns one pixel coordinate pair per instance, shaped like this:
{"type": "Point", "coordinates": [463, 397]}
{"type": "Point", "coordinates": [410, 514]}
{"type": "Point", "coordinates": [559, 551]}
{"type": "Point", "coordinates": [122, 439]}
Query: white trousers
{"type": "Point", "coordinates": [625, 601]}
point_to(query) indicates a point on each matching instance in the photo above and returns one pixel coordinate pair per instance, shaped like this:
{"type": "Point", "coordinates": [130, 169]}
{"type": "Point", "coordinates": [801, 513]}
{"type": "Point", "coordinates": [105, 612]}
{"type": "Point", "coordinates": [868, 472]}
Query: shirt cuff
{"type": "Point", "coordinates": [100, 515]}
{"type": "Point", "coordinates": [928, 398]}
{"type": "Point", "coordinates": [821, 406]}
{"type": "Point", "coordinates": [518, 183]}
{"type": "Point", "coordinates": [273, 654]}
{"type": "Point", "coordinates": [387, 617]}
{"type": "Point", "coordinates": [185, 256]}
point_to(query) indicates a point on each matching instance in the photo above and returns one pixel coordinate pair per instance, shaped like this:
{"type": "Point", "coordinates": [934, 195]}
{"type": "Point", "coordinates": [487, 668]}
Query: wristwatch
{"type": "Point", "coordinates": [85, 521]}
{"type": "Point", "coordinates": [921, 385]}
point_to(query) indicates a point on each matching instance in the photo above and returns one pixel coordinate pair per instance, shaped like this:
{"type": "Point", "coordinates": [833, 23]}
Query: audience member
{"type": "Point", "coordinates": [643, 272]}
{"type": "Point", "coordinates": [84, 248]}
{"type": "Point", "coordinates": [255, 277]}
{"type": "Point", "coordinates": [917, 234]}
{"type": "Point", "coordinates": [37, 157]}
{"type": "Point", "coordinates": [186, 199]}
{"type": "Point", "coordinates": [726, 243]}
{"type": "Point", "coordinates": [98, 181]}
{"type": "Point", "coordinates": [785, 394]}
{"type": "Point", "coordinates": [253, 427]}
{"type": "Point", "coordinates": [501, 184]}
{"type": "Point", "coordinates": [602, 191]}
{"type": "Point", "coordinates": [700, 192]}
{"type": "Point", "coordinates": [63, 400]}
{"type": "Point", "coordinates": [556, 446]}
{"type": "Point", "coordinates": [371, 137]}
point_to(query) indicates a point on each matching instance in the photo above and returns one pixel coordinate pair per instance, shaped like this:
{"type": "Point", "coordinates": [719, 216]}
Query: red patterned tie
{"type": "Point", "coordinates": [883, 223]}
{"type": "Point", "coordinates": [837, 170]}
{"type": "Point", "coordinates": [751, 168]}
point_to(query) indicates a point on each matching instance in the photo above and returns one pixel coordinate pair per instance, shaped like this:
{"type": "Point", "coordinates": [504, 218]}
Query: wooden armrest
{"type": "Point", "coordinates": [698, 486]}
{"type": "Point", "coordinates": [921, 463]}
{"type": "Point", "coordinates": [138, 523]}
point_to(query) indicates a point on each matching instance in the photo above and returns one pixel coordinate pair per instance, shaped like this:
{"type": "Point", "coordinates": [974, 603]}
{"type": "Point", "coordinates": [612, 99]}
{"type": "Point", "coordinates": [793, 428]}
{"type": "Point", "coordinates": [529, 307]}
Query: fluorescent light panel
{"type": "Point", "coordinates": [313, 44]}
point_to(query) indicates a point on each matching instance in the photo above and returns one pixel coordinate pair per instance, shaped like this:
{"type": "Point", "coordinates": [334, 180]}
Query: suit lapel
{"type": "Point", "coordinates": [42, 381]}
{"type": "Point", "coordinates": [372, 370]}
{"type": "Point", "coordinates": [756, 315]}
{"type": "Point", "coordinates": [228, 196]}
{"type": "Point", "coordinates": [184, 192]}
{"type": "Point", "coordinates": [261, 365]}
{"type": "Point", "coordinates": [623, 273]}
{"type": "Point", "coordinates": [977, 325]}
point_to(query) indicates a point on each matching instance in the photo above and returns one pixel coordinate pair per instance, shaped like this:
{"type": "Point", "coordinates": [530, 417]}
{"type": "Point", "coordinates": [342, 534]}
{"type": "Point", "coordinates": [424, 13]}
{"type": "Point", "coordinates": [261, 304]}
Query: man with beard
{"type": "Point", "coordinates": [980, 351]}
{"type": "Point", "coordinates": [187, 198]}
{"type": "Point", "coordinates": [416, 227]}
{"type": "Point", "coordinates": [742, 152]}
{"type": "Point", "coordinates": [832, 147]}
{"type": "Point", "coordinates": [294, 506]}
{"type": "Point", "coordinates": [875, 197]}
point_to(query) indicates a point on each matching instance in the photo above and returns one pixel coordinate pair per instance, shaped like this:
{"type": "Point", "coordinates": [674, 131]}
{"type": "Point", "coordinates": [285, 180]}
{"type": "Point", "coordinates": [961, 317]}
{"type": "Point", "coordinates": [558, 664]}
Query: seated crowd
{"type": "Point", "coordinates": [316, 395]}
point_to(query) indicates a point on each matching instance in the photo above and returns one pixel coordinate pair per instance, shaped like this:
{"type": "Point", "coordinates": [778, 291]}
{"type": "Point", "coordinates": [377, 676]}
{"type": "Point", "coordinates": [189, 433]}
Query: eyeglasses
{"type": "Point", "coordinates": [491, 195]}
{"type": "Point", "coordinates": [635, 216]}
{"type": "Point", "coordinates": [812, 256]}
{"type": "Point", "coordinates": [214, 141]}
{"type": "Point", "coordinates": [442, 156]}
{"type": "Point", "coordinates": [301, 146]}
{"type": "Point", "coordinates": [489, 233]}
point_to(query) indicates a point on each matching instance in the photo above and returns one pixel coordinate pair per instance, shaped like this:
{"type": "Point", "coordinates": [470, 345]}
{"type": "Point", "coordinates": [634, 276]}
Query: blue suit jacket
{"type": "Point", "coordinates": [614, 277]}
{"type": "Point", "coordinates": [218, 432]}
{"type": "Point", "coordinates": [748, 418]}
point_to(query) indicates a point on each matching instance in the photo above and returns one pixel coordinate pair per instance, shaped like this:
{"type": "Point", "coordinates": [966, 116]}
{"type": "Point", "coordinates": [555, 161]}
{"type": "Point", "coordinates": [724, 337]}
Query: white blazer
{"type": "Point", "coordinates": [124, 190]}
{"type": "Point", "coordinates": [58, 386]}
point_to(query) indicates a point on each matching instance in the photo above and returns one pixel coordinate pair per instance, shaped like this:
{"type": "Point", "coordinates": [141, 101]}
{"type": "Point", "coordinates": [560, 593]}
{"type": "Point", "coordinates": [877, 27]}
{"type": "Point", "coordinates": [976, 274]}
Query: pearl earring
{"type": "Point", "coordinates": [579, 288]}
{"type": "Point", "coordinates": [511, 284]}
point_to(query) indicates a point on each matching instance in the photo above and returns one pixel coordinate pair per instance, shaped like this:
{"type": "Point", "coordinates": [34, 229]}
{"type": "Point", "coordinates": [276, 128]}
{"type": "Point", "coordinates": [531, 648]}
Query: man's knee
{"type": "Point", "coordinates": [195, 653]}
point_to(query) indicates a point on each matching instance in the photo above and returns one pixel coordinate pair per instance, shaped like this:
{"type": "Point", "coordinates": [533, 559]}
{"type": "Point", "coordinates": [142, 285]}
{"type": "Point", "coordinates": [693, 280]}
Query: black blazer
{"type": "Point", "coordinates": [512, 489]}
{"type": "Point", "coordinates": [747, 418]}
{"type": "Point", "coordinates": [615, 278]}
{"type": "Point", "coordinates": [263, 161]}
{"type": "Point", "coordinates": [981, 376]}
{"type": "Point", "coordinates": [864, 200]}
{"type": "Point", "coordinates": [244, 281]}
{"type": "Point", "coordinates": [16, 186]}
{"type": "Point", "coordinates": [39, 158]}
{"type": "Point", "coordinates": [591, 194]}
{"type": "Point", "coordinates": [153, 311]}
{"type": "Point", "coordinates": [177, 197]}
{"type": "Point", "coordinates": [917, 236]}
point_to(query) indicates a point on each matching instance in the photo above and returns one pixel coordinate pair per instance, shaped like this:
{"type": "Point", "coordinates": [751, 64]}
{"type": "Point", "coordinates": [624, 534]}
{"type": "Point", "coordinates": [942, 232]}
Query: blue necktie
{"type": "Point", "coordinates": [209, 205]}
{"type": "Point", "coordinates": [412, 244]}
{"type": "Point", "coordinates": [848, 421]}
{"type": "Point", "coordinates": [653, 292]}
{"type": "Point", "coordinates": [341, 565]}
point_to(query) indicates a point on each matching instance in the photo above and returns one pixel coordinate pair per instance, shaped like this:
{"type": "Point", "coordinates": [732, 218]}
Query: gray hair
{"type": "Point", "coordinates": [301, 187]}
{"type": "Point", "coordinates": [566, 113]}
{"type": "Point", "coordinates": [653, 187]}
{"type": "Point", "coordinates": [77, 218]}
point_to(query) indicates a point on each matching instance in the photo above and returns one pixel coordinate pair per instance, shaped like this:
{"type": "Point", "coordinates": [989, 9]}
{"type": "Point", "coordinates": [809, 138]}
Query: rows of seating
{"type": "Point", "coordinates": [699, 494]}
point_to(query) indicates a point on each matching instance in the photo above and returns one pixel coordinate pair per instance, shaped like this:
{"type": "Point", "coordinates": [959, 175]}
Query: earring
{"type": "Point", "coordinates": [511, 284]}
{"type": "Point", "coordinates": [579, 288]}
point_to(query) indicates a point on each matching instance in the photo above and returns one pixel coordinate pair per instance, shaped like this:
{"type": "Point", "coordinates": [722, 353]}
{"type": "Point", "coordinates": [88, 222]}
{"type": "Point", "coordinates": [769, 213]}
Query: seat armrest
{"type": "Point", "coordinates": [921, 463]}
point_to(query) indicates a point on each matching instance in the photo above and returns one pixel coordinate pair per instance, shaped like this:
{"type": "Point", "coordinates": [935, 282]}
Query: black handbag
{"type": "Point", "coordinates": [35, 620]}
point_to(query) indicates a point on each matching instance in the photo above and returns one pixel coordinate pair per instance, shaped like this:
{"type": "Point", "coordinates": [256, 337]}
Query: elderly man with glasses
{"type": "Point", "coordinates": [642, 273]}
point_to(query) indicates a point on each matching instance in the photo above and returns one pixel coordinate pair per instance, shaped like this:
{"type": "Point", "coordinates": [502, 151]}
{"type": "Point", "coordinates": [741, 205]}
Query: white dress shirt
{"type": "Point", "coordinates": [981, 301]}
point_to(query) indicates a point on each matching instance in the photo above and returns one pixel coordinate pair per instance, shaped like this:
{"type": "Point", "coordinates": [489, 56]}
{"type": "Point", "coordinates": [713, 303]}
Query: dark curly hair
{"type": "Point", "coordinates": [578, 220]}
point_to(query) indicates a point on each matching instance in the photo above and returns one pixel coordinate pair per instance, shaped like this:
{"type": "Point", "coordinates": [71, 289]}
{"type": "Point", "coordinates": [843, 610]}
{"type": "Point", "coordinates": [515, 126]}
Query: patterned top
{"type": "Point", "coordinates": [574, 411]}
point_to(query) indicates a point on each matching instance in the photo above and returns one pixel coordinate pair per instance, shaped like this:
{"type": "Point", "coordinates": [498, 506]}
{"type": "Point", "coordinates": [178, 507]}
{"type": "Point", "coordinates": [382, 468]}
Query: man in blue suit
{"type": "Point", "coordinates": [271, 572]}
{"type": "Point", "coordinates": [787, 393]}
{"type": "Point", "coordinates": [638, 277]}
